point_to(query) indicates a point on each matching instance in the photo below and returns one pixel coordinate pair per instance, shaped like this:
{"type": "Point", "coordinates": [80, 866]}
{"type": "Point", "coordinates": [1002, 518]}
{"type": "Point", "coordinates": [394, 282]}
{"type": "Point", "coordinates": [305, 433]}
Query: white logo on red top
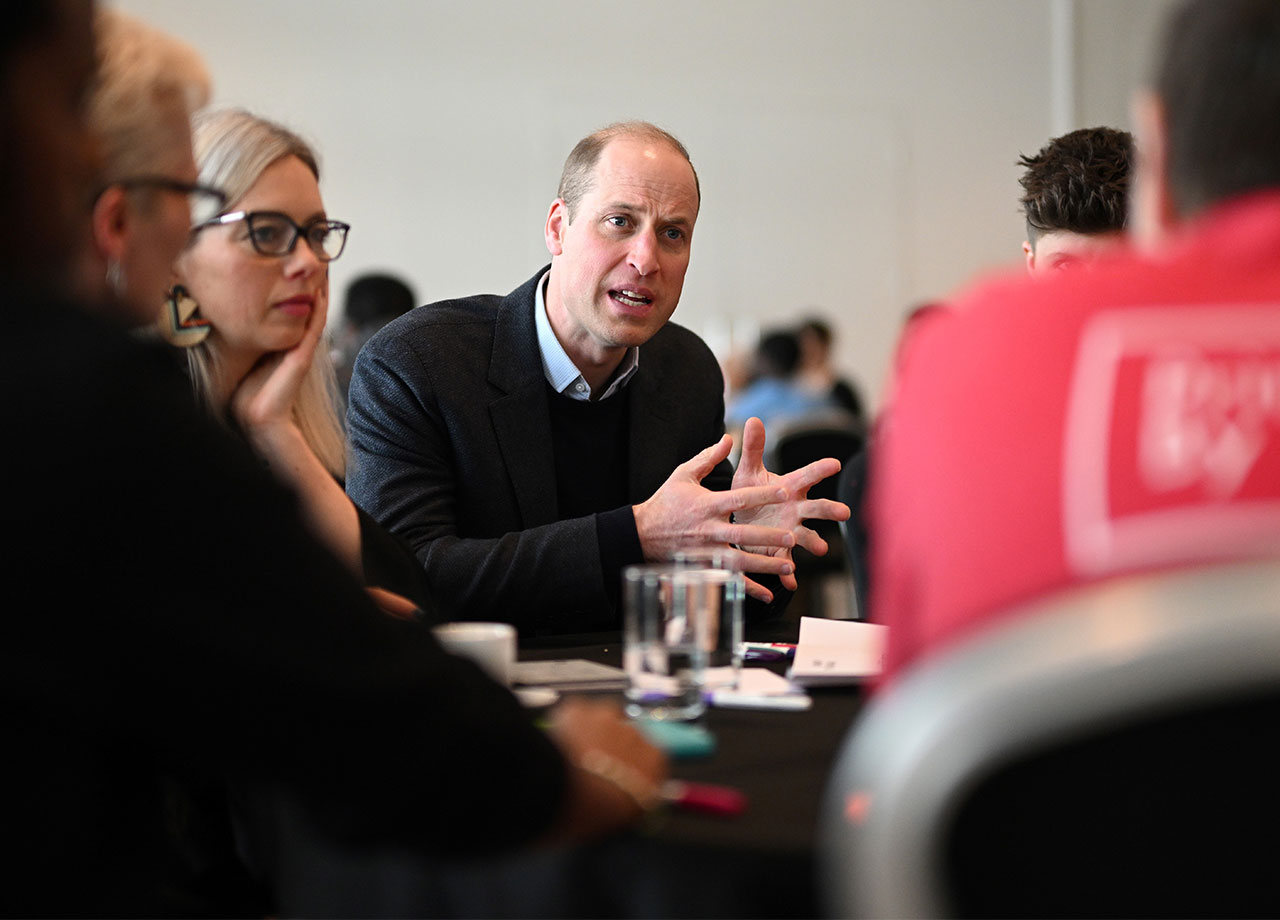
{"type": "Point", "coordinates": [1172, 444]}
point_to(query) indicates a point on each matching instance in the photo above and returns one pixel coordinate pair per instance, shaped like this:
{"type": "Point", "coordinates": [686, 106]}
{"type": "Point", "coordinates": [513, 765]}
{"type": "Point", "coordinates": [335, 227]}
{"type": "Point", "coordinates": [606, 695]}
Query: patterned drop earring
{"type": "Point", "coordinates": [179, 324]}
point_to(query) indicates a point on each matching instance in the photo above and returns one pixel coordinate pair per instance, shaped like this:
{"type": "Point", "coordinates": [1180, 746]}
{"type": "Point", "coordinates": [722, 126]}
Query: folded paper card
{"type": "Point", "coordinates": [837, 651]}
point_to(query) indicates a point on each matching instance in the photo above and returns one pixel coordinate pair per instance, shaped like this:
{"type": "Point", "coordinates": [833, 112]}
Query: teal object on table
{"type": "Point", "coordinates": [679, 739]}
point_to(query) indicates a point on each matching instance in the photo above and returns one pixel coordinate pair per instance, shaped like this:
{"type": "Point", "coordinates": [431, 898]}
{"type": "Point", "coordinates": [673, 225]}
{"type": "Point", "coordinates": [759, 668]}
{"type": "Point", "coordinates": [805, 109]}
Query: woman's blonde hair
{"type": "Point", "coordinates": [233, 148]}
{"type": "Point", "coordinates": [141, 71]}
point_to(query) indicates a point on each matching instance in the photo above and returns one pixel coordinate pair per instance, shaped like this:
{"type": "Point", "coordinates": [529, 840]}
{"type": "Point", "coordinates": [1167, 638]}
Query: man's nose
{"type": "Point", "coordinates": [643, 256]}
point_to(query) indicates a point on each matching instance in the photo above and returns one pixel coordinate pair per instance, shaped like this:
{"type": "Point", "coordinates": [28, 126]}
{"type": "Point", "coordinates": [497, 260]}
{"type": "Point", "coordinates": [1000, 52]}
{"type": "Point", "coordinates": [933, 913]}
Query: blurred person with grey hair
{"type": "Point", "coordinates": [147, 86]}
{"type": "Point", "coordinates": [1048, 434]}
{"type": "Point", "coordinates": [174, 625]}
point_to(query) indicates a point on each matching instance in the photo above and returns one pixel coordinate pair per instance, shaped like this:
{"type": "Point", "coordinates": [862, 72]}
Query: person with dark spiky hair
{"type": "Point", "coordinates": [1075, 197]}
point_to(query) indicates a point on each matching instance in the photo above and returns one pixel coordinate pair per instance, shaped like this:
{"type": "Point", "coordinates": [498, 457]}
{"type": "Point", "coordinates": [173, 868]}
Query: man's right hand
{"type": "Point", "coordinates": [685, 515]}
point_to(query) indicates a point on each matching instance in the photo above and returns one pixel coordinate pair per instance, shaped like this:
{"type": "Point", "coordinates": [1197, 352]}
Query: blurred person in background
{"type": "Point", "coordinates": [1046, 434]}
{"type": "Point", "coordinates": [775, 393]}
{"type": "Point", "coordinates": [372, 301]}
{"type": "Point", "coordinates": [1075, 198]}
{"type": "Point", "coordinates": [817, 373]}
{"type": "Point", "coordinates": [172, 618]}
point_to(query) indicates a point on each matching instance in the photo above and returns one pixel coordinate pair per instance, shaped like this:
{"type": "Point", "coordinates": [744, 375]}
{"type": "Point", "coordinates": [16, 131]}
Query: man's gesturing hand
{"type": "Point", "coordinates": [685, 515]}
{"type": "Point", "coordinates": [789, 514]}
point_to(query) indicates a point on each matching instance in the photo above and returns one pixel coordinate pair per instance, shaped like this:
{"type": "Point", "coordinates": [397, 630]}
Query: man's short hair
{"type": "Point", "coordinates": [576, 177]}
{"type": "Point", "coordinates": [1218, 78]}
{"type": "Point", "coordinates": [1078, 182]}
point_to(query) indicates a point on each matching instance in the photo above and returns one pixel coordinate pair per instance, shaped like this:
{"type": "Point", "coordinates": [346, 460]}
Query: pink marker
{"type": "Point", "coordinates": [714, 800]}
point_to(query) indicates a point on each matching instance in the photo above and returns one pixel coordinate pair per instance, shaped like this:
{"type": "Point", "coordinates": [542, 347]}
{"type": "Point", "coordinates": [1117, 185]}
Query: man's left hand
{"type": "Point", "coordinates": [797, 508]}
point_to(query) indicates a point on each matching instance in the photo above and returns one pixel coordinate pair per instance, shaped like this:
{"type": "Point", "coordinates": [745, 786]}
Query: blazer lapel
{"type": "Point", "coordinates": [520, 416]}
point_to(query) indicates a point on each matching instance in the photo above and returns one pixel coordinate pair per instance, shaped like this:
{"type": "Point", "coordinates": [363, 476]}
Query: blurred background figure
{"type": "Point", "coordinates": [372, 301]}
{"type": "Point", "coordinates": [1076, 192]}
{"type": "Point", "coordinates": [773, 392]}
{"type": "Point", "coordinates": [818, 374]}
{"type": "Point", "coordinates": [805, 420]}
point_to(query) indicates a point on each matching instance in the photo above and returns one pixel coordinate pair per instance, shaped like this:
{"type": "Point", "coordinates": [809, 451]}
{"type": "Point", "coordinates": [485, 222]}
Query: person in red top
{"type": "Point", "coordinates": [1125, 418]}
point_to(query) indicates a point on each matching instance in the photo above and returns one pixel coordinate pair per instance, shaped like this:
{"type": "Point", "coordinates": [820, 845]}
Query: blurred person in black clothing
{"type": "Point", "coordinates": [170, 616]}
{"type": "Point", "coordinates": [816, 371]}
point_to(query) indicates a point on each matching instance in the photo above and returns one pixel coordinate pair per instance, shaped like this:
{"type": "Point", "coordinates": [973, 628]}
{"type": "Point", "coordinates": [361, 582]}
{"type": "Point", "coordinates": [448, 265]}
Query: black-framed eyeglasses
{"type": "Point", "coordinates": [275, 234]}
{"type": "Point", "coordinates": [204, 200]}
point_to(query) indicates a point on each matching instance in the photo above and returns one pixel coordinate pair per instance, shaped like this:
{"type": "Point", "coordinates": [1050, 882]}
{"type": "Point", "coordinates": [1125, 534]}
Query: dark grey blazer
{"type": "Point", "coordinates": [449, 431]}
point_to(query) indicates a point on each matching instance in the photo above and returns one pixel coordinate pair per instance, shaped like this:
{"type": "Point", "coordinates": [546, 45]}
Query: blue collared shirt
{"type": "Point", "coordinates": [561, 372]}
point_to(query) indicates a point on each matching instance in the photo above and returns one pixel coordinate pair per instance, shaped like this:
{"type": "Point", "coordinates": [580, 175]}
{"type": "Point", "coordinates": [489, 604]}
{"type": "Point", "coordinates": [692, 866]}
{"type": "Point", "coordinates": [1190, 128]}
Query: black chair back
{"type": "Point", "coordinates": [805, 439]}
{"type": "Point", "coordinates": [1106, 753]}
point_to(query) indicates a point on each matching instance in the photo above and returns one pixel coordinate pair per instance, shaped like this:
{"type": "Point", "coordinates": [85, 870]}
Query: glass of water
{"type": "Point", "coordinates": [662, 653]}
{"type": "Point", "coordinates": [716, 594]}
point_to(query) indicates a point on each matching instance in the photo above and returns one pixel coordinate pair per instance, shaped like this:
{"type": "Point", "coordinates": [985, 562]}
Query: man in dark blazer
{"type": "Point", "coordinates": [530, 446]}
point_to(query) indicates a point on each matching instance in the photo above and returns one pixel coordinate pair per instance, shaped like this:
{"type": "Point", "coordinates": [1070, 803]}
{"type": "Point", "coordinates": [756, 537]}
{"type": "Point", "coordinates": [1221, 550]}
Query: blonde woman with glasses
{"type": "Point", "coordinates": [250, 300]}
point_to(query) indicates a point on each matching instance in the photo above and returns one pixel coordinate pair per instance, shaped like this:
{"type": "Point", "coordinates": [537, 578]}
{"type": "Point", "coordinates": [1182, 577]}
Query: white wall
{"type": "Point", "coordinates": [857, 157]}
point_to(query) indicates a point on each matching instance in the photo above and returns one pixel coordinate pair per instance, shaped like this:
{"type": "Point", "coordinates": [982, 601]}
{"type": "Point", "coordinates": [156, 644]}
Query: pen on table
{"type": "Point", "coordinates": [704, 797]}
{"type": "Point", "coordinates": [767, 651]}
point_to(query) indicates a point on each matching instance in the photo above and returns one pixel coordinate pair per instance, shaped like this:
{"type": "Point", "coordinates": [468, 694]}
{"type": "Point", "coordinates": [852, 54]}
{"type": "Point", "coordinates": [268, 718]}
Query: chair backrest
{"type": "Point", "coordinates": [814, 436]}
{"type": "Point", "coordinates": [1104, 753]}
{"type": "Point", "coordinates": [851, 489]}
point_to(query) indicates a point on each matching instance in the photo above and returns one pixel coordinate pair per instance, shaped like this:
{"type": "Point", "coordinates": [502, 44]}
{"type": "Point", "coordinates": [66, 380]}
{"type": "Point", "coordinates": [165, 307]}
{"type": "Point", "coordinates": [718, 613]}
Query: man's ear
{"type": "Point", "coordinates": [1029, 256]}
{"type": "Point", "coordinates": [110, 222]}
{"type": "Point", "coordinates": [557, 221]}
{"type": "Point", "coordinates": [1152, 215]}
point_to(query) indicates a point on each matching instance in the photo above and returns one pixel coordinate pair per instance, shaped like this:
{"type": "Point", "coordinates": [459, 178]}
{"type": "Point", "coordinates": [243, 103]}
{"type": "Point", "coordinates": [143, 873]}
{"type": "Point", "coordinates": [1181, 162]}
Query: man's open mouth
{"type": "Point", "coordinates": [630, 298]}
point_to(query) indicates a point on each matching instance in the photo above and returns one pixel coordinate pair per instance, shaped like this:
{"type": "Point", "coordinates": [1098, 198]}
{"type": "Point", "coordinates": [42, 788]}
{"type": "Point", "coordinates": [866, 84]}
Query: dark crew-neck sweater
{"type": "Point", "coordinates": [591, 443]}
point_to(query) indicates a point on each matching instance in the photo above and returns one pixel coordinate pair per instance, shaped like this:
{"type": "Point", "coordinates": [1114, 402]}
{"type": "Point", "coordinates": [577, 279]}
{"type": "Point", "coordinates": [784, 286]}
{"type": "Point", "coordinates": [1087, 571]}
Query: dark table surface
{"type": "Point", "coordinates": [760, 863]}
{"type": "Point", "coordinates": [778, 759]}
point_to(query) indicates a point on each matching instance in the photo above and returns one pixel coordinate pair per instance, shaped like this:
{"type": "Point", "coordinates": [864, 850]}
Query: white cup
{"type": "Point", "coordinates": [490, 645]}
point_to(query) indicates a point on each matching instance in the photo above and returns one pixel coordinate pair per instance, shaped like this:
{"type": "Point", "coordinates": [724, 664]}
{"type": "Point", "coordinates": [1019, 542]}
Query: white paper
{"type": "Point", "coordinates": [833, 651]}
{"type": "Point", "coordinates": [714, 678]}
{"type": "Point", "coordinates": [569, 673]}
{"type": "Point", "coordinates": [763, 682]}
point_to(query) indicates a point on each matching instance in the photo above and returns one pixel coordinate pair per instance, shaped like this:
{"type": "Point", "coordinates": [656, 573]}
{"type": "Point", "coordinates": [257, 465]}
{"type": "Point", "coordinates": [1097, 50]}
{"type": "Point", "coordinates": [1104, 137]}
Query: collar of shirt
{"type": "Point", "coordinates": [560, 371]}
